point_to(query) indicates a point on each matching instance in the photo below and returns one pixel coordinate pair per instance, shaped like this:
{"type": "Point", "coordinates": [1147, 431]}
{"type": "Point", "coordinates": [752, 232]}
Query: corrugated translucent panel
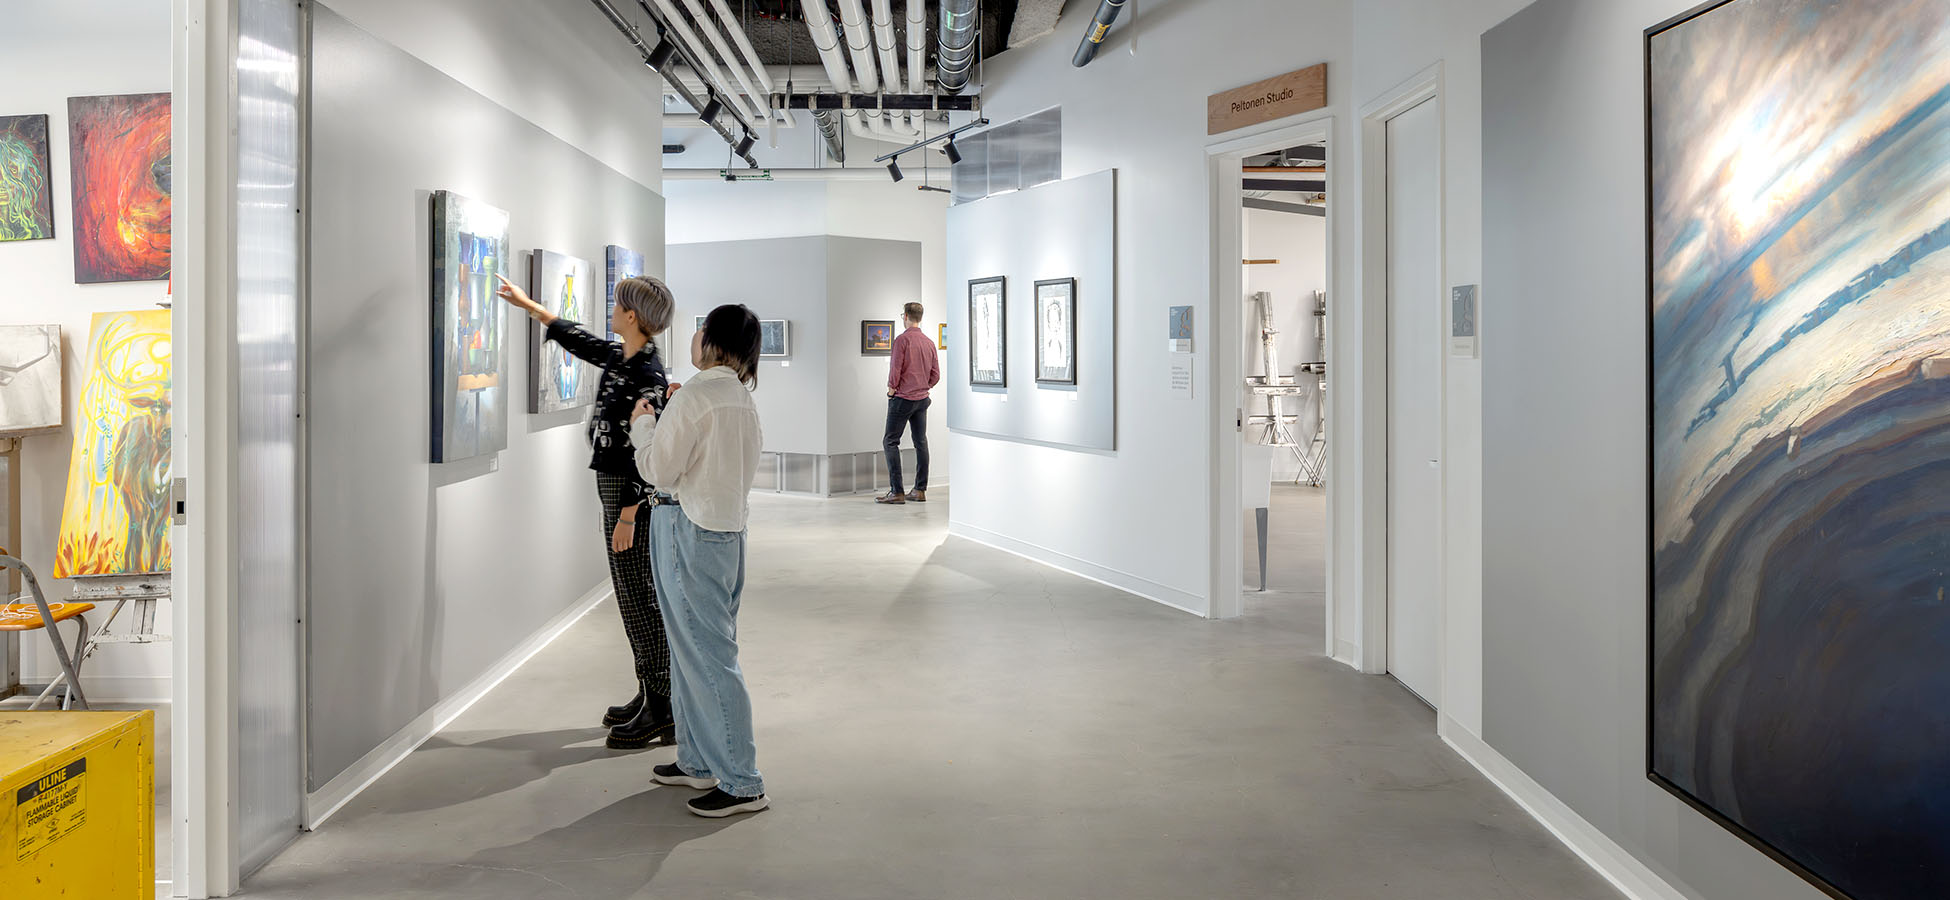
{"type": "Point", "coordinates": [1010, 157]}
{"type": "Point", "coordinates": [270, 774]}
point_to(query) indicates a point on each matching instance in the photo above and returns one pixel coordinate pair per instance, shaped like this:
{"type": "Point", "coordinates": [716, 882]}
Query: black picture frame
{"type": "Point", "coordinates": [870, 347]}
{"type": "Point", "coordinates": [980, 377]}
{"type": "Point", "coordinates": [1042, 339]}
{"type": "Point", "coordinates": [1713, 814]}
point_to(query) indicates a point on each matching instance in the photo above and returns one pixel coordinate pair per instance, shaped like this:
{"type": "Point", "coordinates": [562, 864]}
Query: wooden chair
{"type": "Point", "coordinates": [41, 614]}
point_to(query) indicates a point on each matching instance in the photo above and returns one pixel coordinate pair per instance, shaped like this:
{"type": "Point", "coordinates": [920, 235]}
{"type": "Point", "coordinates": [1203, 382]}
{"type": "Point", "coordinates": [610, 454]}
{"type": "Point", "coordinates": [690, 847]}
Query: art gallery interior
{"type": "Point", "coordinates": [1384, 449]}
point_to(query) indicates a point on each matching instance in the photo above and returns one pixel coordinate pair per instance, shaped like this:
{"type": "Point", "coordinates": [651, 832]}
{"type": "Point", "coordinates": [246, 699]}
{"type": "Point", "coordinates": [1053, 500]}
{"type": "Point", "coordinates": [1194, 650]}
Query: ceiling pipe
{"type": "Point", "coordinates": [829, 130]}
{"type": "Point", "coordinates": [831, 174]}
{"type": "Point", "coordinates": [883, 41]}
{"type": "Point", "coordinates": [716, 36]}
{"type": "Point", "coordinates": [744, 42]}
{"type": "Point", "coordinates": [819, 20]}
{"type": "Point", "coordinates": [697, 56]}
{"type": "Point", "coordinates": [917, 49]}
{"type": "Point", "coordinates": [859, 46]}
{"type": "Point", "coordinates": [658, 53]}
{"type": "Point", "coordinates": [1099, 29]}
{"type": "Point", "coordinates": [956, 50]}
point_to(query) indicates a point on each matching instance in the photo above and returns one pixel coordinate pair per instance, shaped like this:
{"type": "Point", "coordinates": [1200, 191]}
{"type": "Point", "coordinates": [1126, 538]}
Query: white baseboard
{"type": "Point", "coordinates": [321, 804]}
{"type": "Point", "coordinates": [1618, 866]}
{"type": "Point", "coordinates": [1123, 581]}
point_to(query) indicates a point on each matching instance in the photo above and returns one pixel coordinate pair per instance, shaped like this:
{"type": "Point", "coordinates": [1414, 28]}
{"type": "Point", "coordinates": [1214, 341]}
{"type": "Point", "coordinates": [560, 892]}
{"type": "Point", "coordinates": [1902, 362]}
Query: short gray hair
{"type": "Point", "coordinates": [650, 299]}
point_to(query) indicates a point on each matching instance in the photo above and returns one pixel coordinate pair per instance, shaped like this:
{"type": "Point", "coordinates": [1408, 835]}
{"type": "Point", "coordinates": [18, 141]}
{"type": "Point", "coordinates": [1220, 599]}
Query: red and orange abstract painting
{"type": "Point", "coordinates": [119, 158]}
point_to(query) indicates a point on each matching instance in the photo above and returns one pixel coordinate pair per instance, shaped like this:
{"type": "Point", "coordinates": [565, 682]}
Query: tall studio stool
{"type": "Point", "coordinates": [40, 615]}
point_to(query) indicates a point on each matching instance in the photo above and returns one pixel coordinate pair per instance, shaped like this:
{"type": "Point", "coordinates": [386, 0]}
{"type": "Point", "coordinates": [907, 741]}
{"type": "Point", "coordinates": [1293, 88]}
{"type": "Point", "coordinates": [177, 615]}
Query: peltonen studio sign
{"type": "Point", "coordinates": [1275, 98]}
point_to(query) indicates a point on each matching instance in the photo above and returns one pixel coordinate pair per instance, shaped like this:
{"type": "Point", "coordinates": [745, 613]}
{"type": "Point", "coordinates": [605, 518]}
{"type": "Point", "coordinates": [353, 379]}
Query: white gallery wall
{"type": "Point", "coordinates": [1565, 495]}
{"type": "Point", "coordinates": [1144, 525]}
{"type": "Point", "coordinates": [48, 53]}
{"type": "Point", "coordinates": [1299, 242]}
{"type": "Point", "coordinates": [424, 579]}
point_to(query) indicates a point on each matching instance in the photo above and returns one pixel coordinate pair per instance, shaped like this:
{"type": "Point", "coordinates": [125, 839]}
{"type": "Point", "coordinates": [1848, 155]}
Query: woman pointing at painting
{"type": "Point", "coordinates": [632, 371]}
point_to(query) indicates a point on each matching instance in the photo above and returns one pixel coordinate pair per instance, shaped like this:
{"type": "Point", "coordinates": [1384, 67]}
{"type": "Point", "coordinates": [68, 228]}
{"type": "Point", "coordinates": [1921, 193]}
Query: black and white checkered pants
{"type": "Point", "coordinates": [636, 593]}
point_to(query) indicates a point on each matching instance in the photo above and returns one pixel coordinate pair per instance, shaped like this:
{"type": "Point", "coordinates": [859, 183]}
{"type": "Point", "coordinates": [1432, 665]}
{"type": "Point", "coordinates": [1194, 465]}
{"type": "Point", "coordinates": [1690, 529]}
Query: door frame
{"type": "Point", "coordinates": [1424, 87]}
{"type": "Point", "coordinates": [1226, 367]}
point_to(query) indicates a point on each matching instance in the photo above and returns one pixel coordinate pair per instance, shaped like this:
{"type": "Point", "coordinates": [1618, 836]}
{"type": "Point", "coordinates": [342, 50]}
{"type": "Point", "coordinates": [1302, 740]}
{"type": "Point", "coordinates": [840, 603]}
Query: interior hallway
{"type": "Point", "coordinates": [939, 719]}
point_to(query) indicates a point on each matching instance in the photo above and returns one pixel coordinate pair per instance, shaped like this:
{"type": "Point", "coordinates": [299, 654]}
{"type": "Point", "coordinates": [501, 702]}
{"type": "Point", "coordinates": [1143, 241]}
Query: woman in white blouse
{"type": "Point", "coordinates": [702, 454]}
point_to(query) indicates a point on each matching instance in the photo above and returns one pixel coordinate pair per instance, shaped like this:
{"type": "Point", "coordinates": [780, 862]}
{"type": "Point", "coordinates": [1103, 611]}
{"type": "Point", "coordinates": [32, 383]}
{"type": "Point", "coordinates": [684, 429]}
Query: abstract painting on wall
{"type": "Point", "coordinates": [618, 263]}
{"type": "Point", "coordinates": [119, 174]}
{"type": "Point", "coordinates": [30, 378]}
{"type": "Point", "coordinates": [1800, 434]}
{"type": "Point", "coordinates": [988, 332]}
{"type": "Point", "coordinates": [115, 520]}
{"type": "Point", "coordinates": [774, 338]}
{"type": "Point", "coordinates": [562, 284]}
{"type": "Point", "coordinates": [26, 195]}
{"type": "Point", "coordinates": [470, 400]}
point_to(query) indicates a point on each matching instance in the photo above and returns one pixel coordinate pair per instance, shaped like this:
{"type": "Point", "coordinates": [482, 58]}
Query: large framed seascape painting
{"type": "Point", "coordinates": [26, 198]}
{"type": "Point", "coordinates": [1798, 157]}
{"type": "Point", "coordinates": [563, 285]}
{"type": "Point", "coordinates": [470, 359]}
{"type": "Point", "coordinates": [115, 517]}
{"type": "Point", "coordinates": [120, 183]}
{"type": "Point", "coordinates": [988, 332]}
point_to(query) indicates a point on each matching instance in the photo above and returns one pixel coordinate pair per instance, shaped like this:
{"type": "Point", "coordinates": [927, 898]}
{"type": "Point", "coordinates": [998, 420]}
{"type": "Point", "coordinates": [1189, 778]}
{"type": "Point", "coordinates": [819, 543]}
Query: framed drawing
{"type": "Point", "coordinates": [30, 378]}
{"type": "Point", "coordinates": [557, 380]}
{"type": "Point", "coordinates": [1799, 369]}
{"type": "Point", "coordinates": [774, 338]}
{"type": "Point", "coordinates": [470, 399]}
{"type": "Point", "coordinates": [115, 517]}
{"type": "Point", "coordinates": [618, 263]}
{"type": "Point", "coordinates": [877, 337]}
{"type": "Point", "coordinates": [988, 332]}
{"type": "Point", "coordinates": [119, 179]}
{"type": "Point", "coordinates": [26, 198]}
{"type": "Point", "coordinates": [1056, 331]}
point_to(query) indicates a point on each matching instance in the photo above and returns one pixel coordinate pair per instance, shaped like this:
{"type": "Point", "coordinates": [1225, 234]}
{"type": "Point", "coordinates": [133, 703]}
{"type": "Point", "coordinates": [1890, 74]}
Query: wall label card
{"type": "Point", "coordinates": [1181, 375]}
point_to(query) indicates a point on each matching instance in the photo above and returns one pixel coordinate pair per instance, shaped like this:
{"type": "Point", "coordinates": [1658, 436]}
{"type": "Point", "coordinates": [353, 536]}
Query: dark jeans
{"type": "Point", "coordinates": [900, 415]}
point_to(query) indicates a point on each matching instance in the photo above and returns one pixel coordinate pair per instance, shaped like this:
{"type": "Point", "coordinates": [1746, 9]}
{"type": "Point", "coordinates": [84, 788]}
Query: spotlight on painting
{"type": "Point", "coordinates": [1800, 389]}
{"type": "Point", "coordinates": [470, 392]}
{"type": "Point", "coordinates": [116, 517]}
{"type": "Point", "coordinates": [120, 174]}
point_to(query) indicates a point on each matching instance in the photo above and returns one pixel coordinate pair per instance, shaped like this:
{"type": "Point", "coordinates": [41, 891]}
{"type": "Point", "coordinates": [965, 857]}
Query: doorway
{"type": "Point", "coordinates": [1414, 476]}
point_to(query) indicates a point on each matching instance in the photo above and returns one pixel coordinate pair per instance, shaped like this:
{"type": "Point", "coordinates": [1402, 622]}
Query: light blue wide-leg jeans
{"type": "Point", "coordinates": [700, 576]}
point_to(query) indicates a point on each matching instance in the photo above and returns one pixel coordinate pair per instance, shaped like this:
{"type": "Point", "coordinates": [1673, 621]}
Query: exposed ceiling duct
{"type": "Point", "coordinates": [660, 56]}
{"type": "Point", "coordinates": [1099, 29]}
{"type": "Point", "coordinates": [955, 50]}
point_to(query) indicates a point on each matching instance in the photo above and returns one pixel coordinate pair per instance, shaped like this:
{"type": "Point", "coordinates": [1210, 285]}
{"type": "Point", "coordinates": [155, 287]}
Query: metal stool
{"type": "Point", "coordinates": [42, 615]}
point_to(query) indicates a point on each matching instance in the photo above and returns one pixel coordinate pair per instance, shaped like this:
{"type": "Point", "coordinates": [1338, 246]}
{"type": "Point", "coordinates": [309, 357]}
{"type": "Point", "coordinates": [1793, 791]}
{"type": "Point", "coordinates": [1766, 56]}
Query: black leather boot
{"type": "Point", "coordinates": [617, 715]}
{"type": "Point", "coordinates": [653, 723]}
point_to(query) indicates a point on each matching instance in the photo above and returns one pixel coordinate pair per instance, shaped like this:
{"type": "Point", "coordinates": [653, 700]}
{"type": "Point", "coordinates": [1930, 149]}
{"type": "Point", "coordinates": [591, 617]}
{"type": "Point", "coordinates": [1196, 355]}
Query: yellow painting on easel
{"type": "Point", "coordinates": [116, 517]}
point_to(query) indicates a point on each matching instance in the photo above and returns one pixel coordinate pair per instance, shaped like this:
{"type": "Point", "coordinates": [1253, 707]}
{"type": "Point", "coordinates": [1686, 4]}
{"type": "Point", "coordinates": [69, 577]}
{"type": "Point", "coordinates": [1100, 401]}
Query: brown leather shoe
{"type": "Point", "coordinates": [890, 498]}
{"type": "Point", "coordinates": [918, 496]}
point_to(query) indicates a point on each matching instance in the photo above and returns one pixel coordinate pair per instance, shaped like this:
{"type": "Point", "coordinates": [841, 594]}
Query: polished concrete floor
{"type": "Point", "coordinates": [938, 719]}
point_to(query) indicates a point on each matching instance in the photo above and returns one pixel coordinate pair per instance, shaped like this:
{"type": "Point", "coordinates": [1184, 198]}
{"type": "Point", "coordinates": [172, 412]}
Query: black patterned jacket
{"type": "Point", "coordinates": [625, 381]}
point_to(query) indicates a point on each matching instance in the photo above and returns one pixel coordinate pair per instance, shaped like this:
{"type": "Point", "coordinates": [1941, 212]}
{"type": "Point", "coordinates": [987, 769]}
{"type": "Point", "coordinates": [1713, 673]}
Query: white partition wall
{"type": "Point", "coordinates": [1064, 229]}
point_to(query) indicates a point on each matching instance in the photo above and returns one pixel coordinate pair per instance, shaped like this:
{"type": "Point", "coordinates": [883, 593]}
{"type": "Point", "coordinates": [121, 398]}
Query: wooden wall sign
{"type": "Point", "coordinates": [1274, 98]}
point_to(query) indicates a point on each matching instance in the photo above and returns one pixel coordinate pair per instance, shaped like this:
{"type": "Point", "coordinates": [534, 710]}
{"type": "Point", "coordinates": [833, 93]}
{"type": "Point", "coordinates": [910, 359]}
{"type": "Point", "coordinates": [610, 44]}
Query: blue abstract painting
{"type": "Point", "coordinates": [619, 263]}
{"type": "Point", "coordinates": [1800, 403]}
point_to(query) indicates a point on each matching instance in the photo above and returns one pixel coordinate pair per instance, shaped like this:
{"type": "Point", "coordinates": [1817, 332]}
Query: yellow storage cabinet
{"type": "Point", "coordinates": [77, 799]}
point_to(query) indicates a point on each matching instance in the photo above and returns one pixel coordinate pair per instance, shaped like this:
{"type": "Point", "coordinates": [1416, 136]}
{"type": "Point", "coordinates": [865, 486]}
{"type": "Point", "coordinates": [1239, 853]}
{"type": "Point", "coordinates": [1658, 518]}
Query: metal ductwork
{"type": "Point", "coordinates": [956, 54]}
{"type": "Point", "coordinates": [1099, 29]}
{"type": "Point", "coordinates": [829, 129]}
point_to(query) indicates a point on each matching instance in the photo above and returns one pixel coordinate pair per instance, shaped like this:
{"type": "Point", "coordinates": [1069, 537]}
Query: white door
{"type": "Point", "coordinates": [1414, 396]}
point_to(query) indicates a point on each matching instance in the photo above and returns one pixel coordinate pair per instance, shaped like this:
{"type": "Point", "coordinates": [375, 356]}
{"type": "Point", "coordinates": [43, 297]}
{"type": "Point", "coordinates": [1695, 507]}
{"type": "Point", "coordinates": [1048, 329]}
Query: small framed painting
{"type": "Point", "coordinates": [941, 336]}
{"type": "Point", "coordinates": [988, 333]}
{"type": "Point", "coordinates": [774, 338]}
{"type": "Point", "coordinates": [877, 337]}
{"type": "Point", "coordinates": [1056, 331]}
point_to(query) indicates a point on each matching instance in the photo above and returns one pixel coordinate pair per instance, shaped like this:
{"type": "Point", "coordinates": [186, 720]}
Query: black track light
{"type": "Point", "coordinates": [954, 154]}
{"type": "Point", "coordinates": [711, 110]}
{"type": "Point", "coordinates": [658, 57]}
{"type": "Point", "coordinates": [745, 145]}
{"type": "Point", "coordinates": [894, 168]}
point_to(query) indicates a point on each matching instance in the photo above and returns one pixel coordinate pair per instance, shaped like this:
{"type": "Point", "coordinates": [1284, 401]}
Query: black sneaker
{"type": "Point", "coordinates": [670, 774]}
{"type": "Point", "coordinates": [720, 805]}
